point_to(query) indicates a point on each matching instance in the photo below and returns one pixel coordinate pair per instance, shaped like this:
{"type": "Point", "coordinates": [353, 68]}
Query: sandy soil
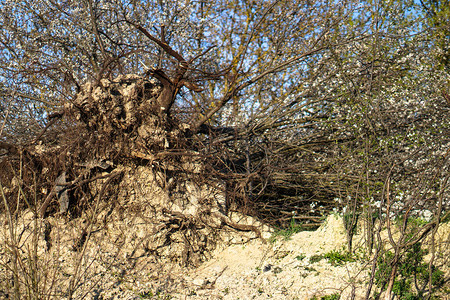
{"type": "Point", "coordinates": [117, 266]}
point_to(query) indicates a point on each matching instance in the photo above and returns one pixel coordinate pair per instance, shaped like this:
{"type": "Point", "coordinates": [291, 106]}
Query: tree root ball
{"type": "Point", "coordinates": [126, 112]}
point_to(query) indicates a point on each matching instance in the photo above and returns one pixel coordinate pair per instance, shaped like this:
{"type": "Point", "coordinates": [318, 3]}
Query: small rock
{"type": "Point", "coordinates": [198, 281]}
{"type": "Point", "coordinates": [267, 268]}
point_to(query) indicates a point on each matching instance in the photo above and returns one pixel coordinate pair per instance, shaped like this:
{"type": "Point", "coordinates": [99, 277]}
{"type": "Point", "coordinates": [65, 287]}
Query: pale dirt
{"type": "Point", "coordinates": [280, 270]}
{"type": "Point", "coordinates": [115, 266]}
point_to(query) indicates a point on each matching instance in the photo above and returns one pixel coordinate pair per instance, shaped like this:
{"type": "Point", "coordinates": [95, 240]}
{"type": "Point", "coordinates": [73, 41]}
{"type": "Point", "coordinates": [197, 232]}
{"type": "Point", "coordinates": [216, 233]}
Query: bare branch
{"type": "Point", "coordinates": [159, 42]}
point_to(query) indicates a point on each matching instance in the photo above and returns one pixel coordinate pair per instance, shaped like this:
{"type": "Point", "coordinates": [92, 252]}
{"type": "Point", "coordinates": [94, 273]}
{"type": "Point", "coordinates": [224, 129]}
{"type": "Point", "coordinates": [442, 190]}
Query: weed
{"type": "Point", "coordinates": [281, 254]}
{"type": "Point", "coordinates": [334, 257]}
{"type": "Point", "coordinates": [412, 270]}
{"type": "Point", "coordinates": [337, 258]}
{"type": "Point", "coordinates": [316, 258]}
{"type": "Point", "coordinates": [334, 296]}
{"type": "Point", "coordinates": [145, 295]}
{"type": "Point", "coordinates": [301, 256]}
{"type": "Point", "coordinates": [293, 228]}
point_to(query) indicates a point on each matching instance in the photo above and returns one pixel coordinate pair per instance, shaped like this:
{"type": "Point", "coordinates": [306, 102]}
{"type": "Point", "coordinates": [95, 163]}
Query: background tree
{"type": "Point", "coordinates": [437, 14]}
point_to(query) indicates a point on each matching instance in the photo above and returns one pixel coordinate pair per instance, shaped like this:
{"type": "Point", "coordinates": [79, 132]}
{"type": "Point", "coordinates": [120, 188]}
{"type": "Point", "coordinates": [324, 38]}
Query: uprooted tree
{"type": "Point", "coordinates": [286, 101]}
{"type": "Point", "coordinates": [123, 132]}
{"type": "Point", "coordinates": [166, 104]}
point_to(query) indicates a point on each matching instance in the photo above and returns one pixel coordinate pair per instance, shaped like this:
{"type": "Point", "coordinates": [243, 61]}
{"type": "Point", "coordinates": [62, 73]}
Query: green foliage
{"type": "Point", "coordinates": [334, 257]}
{"type": "Point", "coordinates": [414, 224]}
{"type": "Point", "coordinates": [337, 258]}
{"type": "Point", "coordinates": [316, 258]}
{"type": "Point", "coordinates": [334, 296]}
{"type": "Point", "coordinates": [412, 271]}
{"type": "Point", "coordinates": [350, 222]}
{"type": "Point", "coordinates": [301, 256]}
{"type": "Point", "coordinates": [293, 228]}
{"type": "Point", "coordinates": [446, 218]}
{"type": "Point", "coordinates": [437, 13]}
{"type": "Point", "coordinates": [145, 295]}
